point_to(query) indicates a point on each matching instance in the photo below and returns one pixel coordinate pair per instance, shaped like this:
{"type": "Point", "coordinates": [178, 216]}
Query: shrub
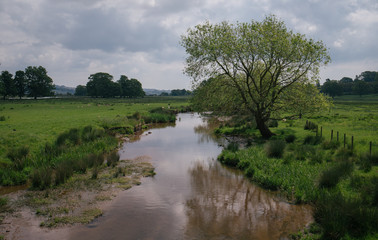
{"type": "Point", "coordinates": [339, 216]}
{"type": "Point", "coordinates": [272, 123]}
{"type": "Point", "coordinates": [112, 158]}
{"type": "Point", "coordinates": [310, 126]}
{"type": "Point", "coordinates": [290, 138]}
{"type": "Point", "coordinates": [343, 154]}
{"type": "Point", "coordinates": [73, 136]}
{"type": "Point", "coordinates": [63, 172]}
{"type": "Point", "coordinates": [330, 177]}
{"type": "Point", "coordinates": [95, 172]}
{"type": "Point", "coordinates": [275, 148]}
{"type": "Point", "coordinates": [312, 140]}
{"type": "Point", "coordinates": [229, 158]}
{"type": "Point", "coordinates": [232, 146]}
{"type": "Point", "coordinates": [10, 177]}
{"type": "Point", "coordinates": [41, 178]}
{"type": "Point", "coordinates": [18, 156]}
{"type": "Point", "coordinates": [330, 145]}
{"type": "Point", "coordinates": [2, 118]}
{"type": "Point", "coordinates": [365, 162]}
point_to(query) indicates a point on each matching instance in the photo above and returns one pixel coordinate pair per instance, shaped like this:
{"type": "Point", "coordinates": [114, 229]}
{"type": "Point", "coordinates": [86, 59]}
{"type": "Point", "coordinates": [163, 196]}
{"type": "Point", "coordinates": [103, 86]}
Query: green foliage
{"type": "Point", "coordinates": [18, 156]}
{"type": "Point", "coordinates": [290, 138]}
{"type": "Point", "coordinates": [275, 148]}
{"type": "Point", "coordinates": [310, 126]}
{"type": "Point", "coordinates": [112, 158]}
{"type": "Point", "coordinates": [339, 216]}
{"type": "Point", "coordinates": [229, 158]}
{"type": "Point", "coordinates": [39, 84]}
{"type": "Point", "coordinates": [312, 140]}
{"type": "Point", "coordinates": [331, 177]}
{"type": "Point", "coordinates": [41, 178]}
{"type": "Point", "coordinates": [225, 50]}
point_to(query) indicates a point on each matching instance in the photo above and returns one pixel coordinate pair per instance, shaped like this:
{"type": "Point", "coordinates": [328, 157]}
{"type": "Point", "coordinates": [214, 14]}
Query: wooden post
{"type": "Point", "coordinates": [352, 143]}
{"type": "Point", "coordinates": [337, 136]}
{"type": "Point", "coordinates": [370, 148]}
{"type": "Point", "coordinates": [331, 134]}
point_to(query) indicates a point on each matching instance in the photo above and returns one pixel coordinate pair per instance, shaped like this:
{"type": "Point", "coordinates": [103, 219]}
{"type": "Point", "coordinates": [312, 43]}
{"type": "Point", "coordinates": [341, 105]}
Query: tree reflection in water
{"type": "Point", "coordinates": [227, 206]}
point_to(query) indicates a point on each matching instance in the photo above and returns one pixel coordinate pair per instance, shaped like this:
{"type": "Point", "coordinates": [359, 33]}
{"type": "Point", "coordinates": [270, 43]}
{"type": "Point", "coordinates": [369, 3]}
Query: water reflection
{"type": "Point", "coordinates": [226, 206]}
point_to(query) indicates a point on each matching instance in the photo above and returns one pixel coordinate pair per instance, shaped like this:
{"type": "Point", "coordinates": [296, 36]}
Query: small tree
{"type": "Point", "coordinates": [260, 60]}
{"type": "Point", "coordinates": [39, 84]}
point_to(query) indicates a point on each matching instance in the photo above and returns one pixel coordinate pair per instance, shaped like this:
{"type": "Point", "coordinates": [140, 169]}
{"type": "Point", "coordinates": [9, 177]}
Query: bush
{"type": "Point", "coordinates": [272, 123]}
{"type": "Point", "coordinates": [343, 154]}
{"type": "Point", "coordinates": [10, 177]}
{"type": "Point", "coordinates": [310, 126]}
{"type": "Point", "coordinates": [275, 148]}
{"type": "Point", "coordinates": [233, 147]}
{"type": "Point", "coordinates": [330, 177]}
{"type": "Point", "coordinates": [18, 156]}
{"type": "Point", "coordinates": [330, 145]}
{"type": "Point", "coordinates": [63, 172]}
{"type": "Point", "coordinates": [41, 178]}
{"type": "Point", "coordinates": [365, 162]}
{"type": "Point", "coordinates": [112, 158]}
{"type": "Point", "coordinates": [2, 118]}
{"type": "Point", "coordinates": [339, 216]}
{"type": "Point", "coordinates": [290, 138]}
{"type": "Point", "coordinates": [312, 140]}
{"type": "Point", "coordinates": [229, 158]}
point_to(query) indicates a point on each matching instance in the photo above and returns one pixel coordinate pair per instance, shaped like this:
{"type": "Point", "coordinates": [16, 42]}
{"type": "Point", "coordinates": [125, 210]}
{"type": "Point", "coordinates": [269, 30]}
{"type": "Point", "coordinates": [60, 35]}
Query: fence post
{"type": "Point", "coordinates": [331, 134]}
{"type": "Point", "coordinates": [370, 148]}
{"type": "Point", "coordinates": [337, 136]}
{"type": "Point", "coordinates": [352, 143]}
{"type": "Point", "coordinates": [317, 129]}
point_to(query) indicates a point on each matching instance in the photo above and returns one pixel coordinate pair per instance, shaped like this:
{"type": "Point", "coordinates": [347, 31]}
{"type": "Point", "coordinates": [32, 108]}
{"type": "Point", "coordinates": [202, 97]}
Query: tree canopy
{"type": "Point", "coordinates": [260, 61]}
{"type": "Point", "coordinates": [39, 84]}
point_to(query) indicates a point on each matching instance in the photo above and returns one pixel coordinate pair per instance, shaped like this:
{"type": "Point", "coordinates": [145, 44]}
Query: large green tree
{"type": "Point", "coordinates": [332, 88]}
{"type": "Point", "coordinates": [130, 88]}
{"type": "Point", "coordinates": [260, 60]}
{"type": "Point", "coordinates": [20, 83]}
{"type": "Point", "coordinates": [81, 90]}
{"type": "Point", "coordinates": [7, 82]}
{"type": "Point", "coordinates": [99, 84]}
{"type": "Point", "coordinates": [39, 84]}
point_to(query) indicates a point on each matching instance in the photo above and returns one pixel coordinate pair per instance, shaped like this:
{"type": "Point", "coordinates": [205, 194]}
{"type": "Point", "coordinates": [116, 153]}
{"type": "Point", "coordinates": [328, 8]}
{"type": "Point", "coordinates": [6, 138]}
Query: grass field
{"type": "Point", "coordinates": [341, 183]}
{"type": "Point", "coordinates": [39, 136]}
{"type": "Point", "coordinates": [35, 122]}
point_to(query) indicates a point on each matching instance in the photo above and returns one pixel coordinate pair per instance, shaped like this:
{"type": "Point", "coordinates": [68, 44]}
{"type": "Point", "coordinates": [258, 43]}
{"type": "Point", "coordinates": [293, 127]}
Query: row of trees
{"type": "Point", "coordinates": [365, 83]}
{"type": "Point", "coordinates": [102, 85]}
{"type": "Point", "coordinates": [33, 82]}
{"type": "Point", "coordinates": [177, 92]}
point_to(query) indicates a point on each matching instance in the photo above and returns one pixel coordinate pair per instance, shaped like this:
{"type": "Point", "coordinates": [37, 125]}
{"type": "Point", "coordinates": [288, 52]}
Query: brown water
{"type": "Point", "coordinates": [192, 196]}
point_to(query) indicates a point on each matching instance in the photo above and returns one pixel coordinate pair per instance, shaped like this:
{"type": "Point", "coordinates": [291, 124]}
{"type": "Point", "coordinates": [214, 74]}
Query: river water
{"type": "Point", "coordinates": [192, 196]}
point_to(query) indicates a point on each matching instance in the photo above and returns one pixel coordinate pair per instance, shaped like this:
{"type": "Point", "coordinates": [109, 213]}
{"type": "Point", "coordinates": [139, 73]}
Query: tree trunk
{"type": "Point", "coordinates": [263, 128]}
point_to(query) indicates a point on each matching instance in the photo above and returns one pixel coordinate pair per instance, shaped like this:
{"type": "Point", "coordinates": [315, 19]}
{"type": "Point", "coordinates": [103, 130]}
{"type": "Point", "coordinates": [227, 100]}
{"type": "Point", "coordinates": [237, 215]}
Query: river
{"type": "Point", "coordinates": [192, 196]}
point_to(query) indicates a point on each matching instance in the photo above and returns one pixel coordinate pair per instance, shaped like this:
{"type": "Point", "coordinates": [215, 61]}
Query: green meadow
{"type": "Point", "coordinates": [306, 165]}
{"type": "Point", "coordinates": [35, 122]}
{"type": "Point", "coordinates": [48, 135]}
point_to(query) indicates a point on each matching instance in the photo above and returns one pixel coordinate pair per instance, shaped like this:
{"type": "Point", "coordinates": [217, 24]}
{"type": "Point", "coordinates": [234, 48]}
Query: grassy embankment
{"type": "Point", "coordinates": [43, 134]}
{"type": "Point", "coordinates": [68, 147]}
{"type": "Point", "coordinates": [341, 183]}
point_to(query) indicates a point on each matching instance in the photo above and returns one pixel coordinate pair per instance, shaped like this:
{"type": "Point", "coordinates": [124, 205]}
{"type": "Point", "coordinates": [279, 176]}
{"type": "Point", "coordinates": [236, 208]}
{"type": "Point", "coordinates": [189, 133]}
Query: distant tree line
{"type": "Point", "coordinates": [33, 82]}
{"type": "Point", "coordinates": [102, 85]}
{"type": "Point", "coordinates": [177, 92]}
{"type": "Point", "coordinates": [365, 83]}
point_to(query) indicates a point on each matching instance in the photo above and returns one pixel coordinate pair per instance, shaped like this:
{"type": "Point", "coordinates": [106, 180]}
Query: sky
{"type": "Point", "coordinates": [141, 38]}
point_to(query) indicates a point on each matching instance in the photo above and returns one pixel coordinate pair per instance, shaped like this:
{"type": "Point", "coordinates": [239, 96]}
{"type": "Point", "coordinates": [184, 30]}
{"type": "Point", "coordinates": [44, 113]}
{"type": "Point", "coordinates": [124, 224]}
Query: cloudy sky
{"type": "Point", "coordinates": [140, 38]}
